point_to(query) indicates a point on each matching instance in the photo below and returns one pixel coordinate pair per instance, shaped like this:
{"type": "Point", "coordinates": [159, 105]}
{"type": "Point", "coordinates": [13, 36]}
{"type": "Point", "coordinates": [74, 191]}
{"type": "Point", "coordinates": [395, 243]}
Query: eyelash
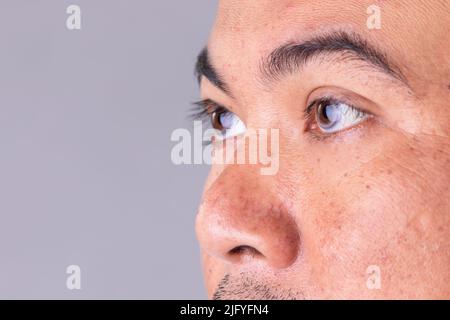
{"type": "Point", "coordinates": [203, 109]}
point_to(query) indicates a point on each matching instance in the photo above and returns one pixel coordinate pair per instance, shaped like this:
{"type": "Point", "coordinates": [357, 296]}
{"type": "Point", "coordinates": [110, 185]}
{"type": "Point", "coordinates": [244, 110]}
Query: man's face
{"type": "Point", "coordinates": [360, 204]}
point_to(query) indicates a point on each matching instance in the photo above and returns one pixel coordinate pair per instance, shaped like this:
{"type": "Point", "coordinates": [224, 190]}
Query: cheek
{"type": "Point", "coordinates": [375, 206]}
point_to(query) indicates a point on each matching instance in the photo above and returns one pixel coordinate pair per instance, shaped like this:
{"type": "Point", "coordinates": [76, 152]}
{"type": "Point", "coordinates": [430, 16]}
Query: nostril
{"type": "Point", "coordinates": [244, 250]}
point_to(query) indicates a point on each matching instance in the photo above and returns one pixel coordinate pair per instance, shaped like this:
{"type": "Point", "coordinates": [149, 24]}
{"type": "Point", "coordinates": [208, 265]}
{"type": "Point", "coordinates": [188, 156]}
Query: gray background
{"type": "Point", "coordinates": [85, 171]}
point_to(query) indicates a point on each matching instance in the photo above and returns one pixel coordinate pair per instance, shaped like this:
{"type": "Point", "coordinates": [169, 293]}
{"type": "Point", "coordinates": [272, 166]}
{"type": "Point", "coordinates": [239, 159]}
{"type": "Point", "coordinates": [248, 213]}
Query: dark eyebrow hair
{"type": "Point", "coordinates": [289, 57]}
{"type": "Point", "coordinates": [203, 67]}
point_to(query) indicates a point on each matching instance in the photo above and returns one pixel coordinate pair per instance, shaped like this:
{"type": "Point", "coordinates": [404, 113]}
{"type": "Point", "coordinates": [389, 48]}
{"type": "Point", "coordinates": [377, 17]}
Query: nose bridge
{"type": "Point", "coordinates": [240, 210]}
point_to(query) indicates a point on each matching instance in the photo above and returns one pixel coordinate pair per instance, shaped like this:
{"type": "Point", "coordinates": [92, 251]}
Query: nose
{"type": "Point", "coordinates": [242, 218]}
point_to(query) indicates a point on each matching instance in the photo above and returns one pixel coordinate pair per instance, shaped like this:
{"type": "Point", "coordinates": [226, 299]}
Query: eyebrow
{"type": "Point", "coordinates": [290, 57]}
{"type": "Point", "coordinates": [203, 67]}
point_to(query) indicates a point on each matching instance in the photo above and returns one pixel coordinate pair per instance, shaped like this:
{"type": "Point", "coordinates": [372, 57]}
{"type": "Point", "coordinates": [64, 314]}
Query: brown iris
{"type": "Point", "coordinates": [327, 114]}
{"type": "Point", "coordinates": [216, 120]}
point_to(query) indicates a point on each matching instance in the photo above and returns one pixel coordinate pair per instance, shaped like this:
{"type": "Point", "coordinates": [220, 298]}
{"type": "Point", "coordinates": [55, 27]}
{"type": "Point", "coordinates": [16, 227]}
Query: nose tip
{"type": "Point", "coordinates": [274, 241]}
{"type": "Point", "coordinates": [243, 226]}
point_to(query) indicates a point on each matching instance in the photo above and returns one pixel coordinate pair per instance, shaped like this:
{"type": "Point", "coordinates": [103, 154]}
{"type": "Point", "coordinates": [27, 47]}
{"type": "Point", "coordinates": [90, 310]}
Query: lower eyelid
{"type": "Point", "coordinates": [317, 135]}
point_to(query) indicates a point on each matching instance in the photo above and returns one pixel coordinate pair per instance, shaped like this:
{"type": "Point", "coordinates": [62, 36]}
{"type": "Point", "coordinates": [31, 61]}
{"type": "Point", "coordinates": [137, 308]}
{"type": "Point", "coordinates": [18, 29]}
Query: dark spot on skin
{"type": "Point", "coordinates": [318, 160]}
{"type": "Point", "coordinates": [389, 171]}
{"type": "Point", "coordinates": [367, 186]}
{"type": "Point", "coordinates": [345, 174]}
{"type": "Point", "coordinates": [448, 87]}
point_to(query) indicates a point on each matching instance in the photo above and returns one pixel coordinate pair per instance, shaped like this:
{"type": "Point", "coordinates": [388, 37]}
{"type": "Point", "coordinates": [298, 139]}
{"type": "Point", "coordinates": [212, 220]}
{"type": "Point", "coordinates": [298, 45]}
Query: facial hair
{"type": "Point", "coordinates": [246, 287]}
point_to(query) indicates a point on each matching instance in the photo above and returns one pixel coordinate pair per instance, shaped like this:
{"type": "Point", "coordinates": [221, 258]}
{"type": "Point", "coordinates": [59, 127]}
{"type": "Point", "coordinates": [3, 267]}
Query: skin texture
{"type": "Point", "coordinates": [374, 195]}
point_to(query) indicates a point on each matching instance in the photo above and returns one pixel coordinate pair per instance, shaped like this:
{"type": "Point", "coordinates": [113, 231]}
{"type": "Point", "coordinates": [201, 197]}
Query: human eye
{"type": "Point", "coordinates": [327, 116]}
{"type": "Point", "coordinates": [227, 123]}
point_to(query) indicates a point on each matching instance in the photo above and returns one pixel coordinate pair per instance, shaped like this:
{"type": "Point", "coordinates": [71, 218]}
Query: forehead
{"type": "Point", "coordinates": [245, 24]}
{"type": "Point", "coordinates": [250, 16]}
{"type": "Point", "coordinates": [246, 30]}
